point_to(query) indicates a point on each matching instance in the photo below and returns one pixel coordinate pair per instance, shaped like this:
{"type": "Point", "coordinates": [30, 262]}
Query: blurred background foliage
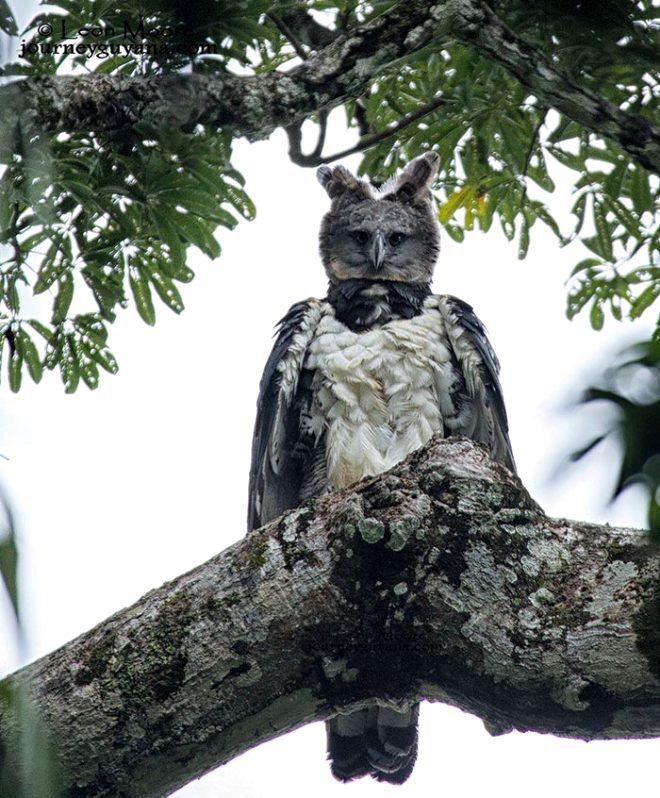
{"type": "Point", "coordinates": [631, 390]}
{"type": "Point", "coordinates": [27, 763]}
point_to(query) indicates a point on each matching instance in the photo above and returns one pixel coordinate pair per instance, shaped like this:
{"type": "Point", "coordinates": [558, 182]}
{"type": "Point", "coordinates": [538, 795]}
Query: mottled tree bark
{"type": "Point", "coordinates": [255, 106]}
{"type": "Point", "coordinates": [444, 569]}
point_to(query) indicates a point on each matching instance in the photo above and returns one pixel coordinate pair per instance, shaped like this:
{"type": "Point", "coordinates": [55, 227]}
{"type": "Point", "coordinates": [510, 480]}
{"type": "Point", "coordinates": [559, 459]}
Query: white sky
{"type": "Point", "coordinates": [119, 490]}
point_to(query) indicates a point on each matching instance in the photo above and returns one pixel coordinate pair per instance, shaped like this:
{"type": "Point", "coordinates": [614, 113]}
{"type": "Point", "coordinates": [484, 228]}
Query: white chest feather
{"type": "Point", "coordinates": [381, 393]}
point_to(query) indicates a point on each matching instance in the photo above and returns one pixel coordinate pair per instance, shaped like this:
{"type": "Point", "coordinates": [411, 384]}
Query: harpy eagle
{"type": "Point", "coordinates": [358, 380]}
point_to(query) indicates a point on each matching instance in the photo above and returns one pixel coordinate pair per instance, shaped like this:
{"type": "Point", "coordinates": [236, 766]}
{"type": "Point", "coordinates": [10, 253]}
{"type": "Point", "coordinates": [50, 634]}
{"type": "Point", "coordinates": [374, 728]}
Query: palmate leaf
{"type": "Point", "coordinates": [492, 145]}
{"type": "Point", "coordinates": [121, 220]}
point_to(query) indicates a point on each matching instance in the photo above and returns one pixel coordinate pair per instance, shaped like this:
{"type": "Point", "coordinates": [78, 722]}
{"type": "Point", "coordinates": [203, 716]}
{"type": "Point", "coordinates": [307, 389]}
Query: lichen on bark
{"type": "Point", "coordinates": [444, 567]}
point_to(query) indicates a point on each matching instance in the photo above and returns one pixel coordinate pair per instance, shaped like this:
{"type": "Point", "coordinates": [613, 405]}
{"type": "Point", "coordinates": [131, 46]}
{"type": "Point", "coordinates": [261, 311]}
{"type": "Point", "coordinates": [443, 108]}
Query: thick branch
{"type": "Point", "coordinates": [255, 106]}
{"type": "Point", "coordinates": [443, 568]}
{"type": "Point", "coordinates": [478, 27]}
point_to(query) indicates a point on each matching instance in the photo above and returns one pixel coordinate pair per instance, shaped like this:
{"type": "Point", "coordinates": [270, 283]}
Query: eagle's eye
{"type": "Point", "coordinates": [360, 236]}
{"type": "Point", "coordinates": [395, 239]}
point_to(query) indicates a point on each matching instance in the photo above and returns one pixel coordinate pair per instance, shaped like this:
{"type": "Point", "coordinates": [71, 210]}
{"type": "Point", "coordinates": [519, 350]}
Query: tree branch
{"type": "Point", "coordinates": [288, 34]}
{"type": "Point", "coordinates": [255, 106]}
{"type": "Point", "coordinates": [444, 568]}
{"type": "Point", "coordinates": [316, 158]}
{"type": "Point", "coordinates": [477, 26]}
{"type": "Point", "coordinates": [306, 29]}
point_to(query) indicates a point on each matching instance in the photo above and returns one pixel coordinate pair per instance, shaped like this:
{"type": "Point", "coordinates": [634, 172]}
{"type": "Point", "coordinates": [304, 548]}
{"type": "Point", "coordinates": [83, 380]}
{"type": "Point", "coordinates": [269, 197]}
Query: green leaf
{"type": "Point", "coordinates": [208, 176]}
{"type": "Point", "coordinates": [15, 371]}
{"type": "Point", "coordinates": [603, 232]}
{"type": "Point", "coordinates": [485, 208]}
{"type": "Point", "coordinates": [567, 159]}
{"type": "Point", "coordinates": [596, 315]}
{"type": "Point", "coordinates": [614, 181]}
{"type": "Point", "coordinates": [196, 232]}
{"type": "Point", "coordinates": [587, 263]}
{"type": "Point", "coordinates": [100, 354]}
{"type": "Point", "coordinates": [142, 295]}
{"type": "Point", "coordinates": [508, 228]}
{"type": "Point", "coordinates": [63, 299]}
{"type": "Point", "coordinates": [623, 215]}
{"type": "Point", "coordinates": [578, 210]}
{"type": "Point", "coordinates": [455, 231]}
{"type": "Point", "coordinates": [5, 211]}
{"type": "Point", "coordinates": [169, 235]}
{"type": "Point", "coordinates": [28, 352]}
{"type": "Point", "coordinates": [566, 129]}
{"type": "Point", "coordinates": [539, 174]}
{"type": "Point", "coordinates": [446, 143]}
{"type": "Point", "coordinates": [88, 369]}
{"type": "Point", "coordinates": [44, 331]}
{"type": "Point", "coordinates": [54, 350]}
{"type": "Point", "coordinates": [543, 214]}
{"type": "Point", "coordinates": [192, 200]}
{"type": "Point", "coordinates": [452, 204]}
{"type": "Point", "coordinates": [640, 192]}
{"type": "Point", "coordinates": [593, 243]}
{"type": "Point", "coordinates": [240, 200]}
{"type": "Point", "coordinates": [523, 240]}
{"type": "Point", "coordinates": [644, 300]}
{"type": "Point", "coordinates": [69, 366]}
{"type": "Point", "coordinates": [167, 291]}
{"type": "Point", "coordinates": [9, 565]}
{"type": "Point", "coordinates": [50, 271]}
{"type": "Point", "coordinates": [224, 218]}
{"type": "Point", "coordinates": [7, 21]}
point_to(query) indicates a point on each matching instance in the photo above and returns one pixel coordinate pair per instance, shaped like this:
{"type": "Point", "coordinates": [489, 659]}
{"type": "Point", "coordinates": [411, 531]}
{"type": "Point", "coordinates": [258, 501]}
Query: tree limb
{"type": "Point", "coordinates": [443, 568]}
{"type": "Point", "coordinates": [476, 25]}
{"type": "Point", "coordinates": [306, 29]}
{"type": "Point", "coordinates": [255, 106]}
{"type": "Point", "coordinates": [316, 158]}
{"type": "Point", "coordinates": [288, 34]}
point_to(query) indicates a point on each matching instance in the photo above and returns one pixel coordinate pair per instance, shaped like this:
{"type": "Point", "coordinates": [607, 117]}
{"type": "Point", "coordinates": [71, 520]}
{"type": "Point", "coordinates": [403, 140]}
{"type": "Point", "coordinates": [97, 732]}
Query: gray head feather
{"type": "Point", "coordinates": [391, 234]}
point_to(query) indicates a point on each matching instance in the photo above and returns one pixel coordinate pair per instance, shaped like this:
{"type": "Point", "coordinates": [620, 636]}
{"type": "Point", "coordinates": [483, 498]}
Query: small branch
{"type": "Point", "coordinates": [360, 117]}
{"type": "Point", "coordinates": [288, 34]}
{"type": "Point", "coordinates": [316, 159]}
{"type": "Point", "coordinates": [306, 29]}
{"type": "Point", "coordinates": [294, 134]}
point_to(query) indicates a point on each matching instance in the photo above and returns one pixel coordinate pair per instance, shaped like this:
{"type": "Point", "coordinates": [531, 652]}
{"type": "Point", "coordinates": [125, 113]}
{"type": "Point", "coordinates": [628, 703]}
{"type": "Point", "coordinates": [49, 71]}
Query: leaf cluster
{"type": "Point", "coordinates": [89, 218]}
{"type": "Point", "coordinates": [497, 148]}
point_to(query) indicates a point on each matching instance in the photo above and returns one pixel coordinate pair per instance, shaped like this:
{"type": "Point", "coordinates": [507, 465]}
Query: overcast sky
{"type": "Point", "coordinates": [121, 489]}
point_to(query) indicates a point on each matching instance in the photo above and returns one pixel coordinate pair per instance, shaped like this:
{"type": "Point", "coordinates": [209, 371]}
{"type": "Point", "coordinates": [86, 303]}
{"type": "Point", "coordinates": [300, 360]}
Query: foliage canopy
{"type": "Point", "coordinates": [94, 220]}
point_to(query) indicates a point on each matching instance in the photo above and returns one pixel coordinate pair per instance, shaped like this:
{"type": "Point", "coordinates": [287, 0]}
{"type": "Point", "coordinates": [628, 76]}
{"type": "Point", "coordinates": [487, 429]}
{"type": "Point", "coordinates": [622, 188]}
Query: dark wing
{"type": "Point", "coordinates": [487, 420]}
{"type": "Point", "coordinates": [279, 457]}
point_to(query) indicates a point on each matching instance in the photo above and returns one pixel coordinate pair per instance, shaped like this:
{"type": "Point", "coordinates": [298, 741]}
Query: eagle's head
{"type": "Point", "coordinates": [380, 234]}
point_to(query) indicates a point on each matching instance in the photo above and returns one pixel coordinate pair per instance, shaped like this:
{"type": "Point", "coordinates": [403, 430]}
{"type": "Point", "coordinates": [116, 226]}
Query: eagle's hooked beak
{"type": "Point", "coordinates": [378, 250]}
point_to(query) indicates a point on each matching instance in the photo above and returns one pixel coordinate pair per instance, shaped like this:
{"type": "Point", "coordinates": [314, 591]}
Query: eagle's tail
{"type": "Point", "coordinates": [378, 741]}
